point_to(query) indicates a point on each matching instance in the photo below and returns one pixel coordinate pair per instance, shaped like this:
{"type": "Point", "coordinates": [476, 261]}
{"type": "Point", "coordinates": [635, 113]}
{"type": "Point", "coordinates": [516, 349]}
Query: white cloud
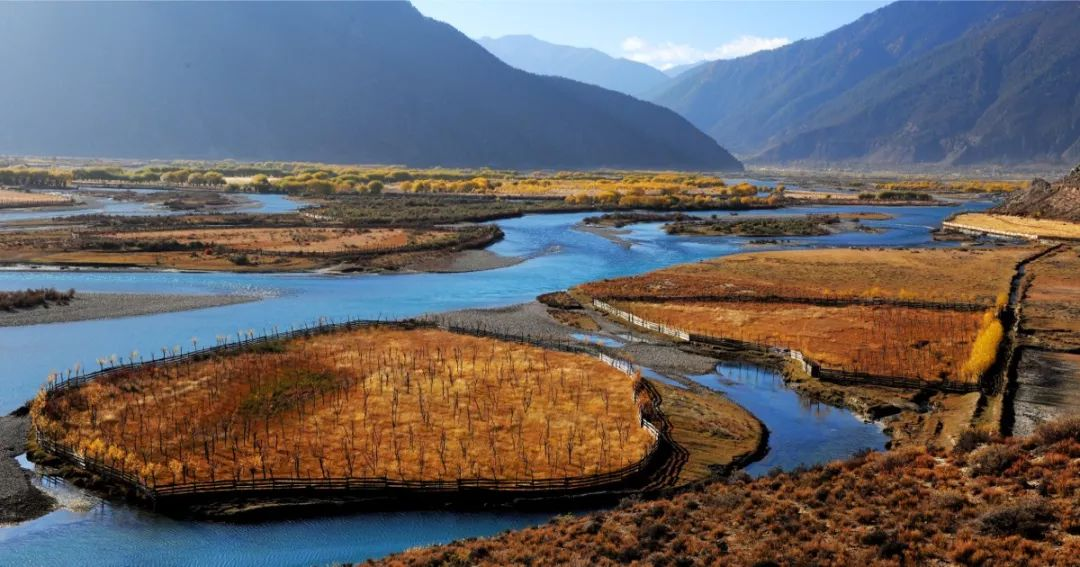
{"type": "Point", "coordinates": [668, 54]}
{"type": "Point", "coordinates": [633, 44]}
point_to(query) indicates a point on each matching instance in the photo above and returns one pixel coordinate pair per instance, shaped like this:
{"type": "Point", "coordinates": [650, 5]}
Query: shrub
{"type": "Point", "coordinates": [240, 259]}
{"type": "Point", "coordinates": [994, 459]}
{"type": "Point", "coordinates": [970, 440]}
{"type": "Point", "coordinates": [12, 300]}
{"type": "Point", "coordinates": [1029, 518]}
{"type": "Point", "coordinates": [1058, 430]}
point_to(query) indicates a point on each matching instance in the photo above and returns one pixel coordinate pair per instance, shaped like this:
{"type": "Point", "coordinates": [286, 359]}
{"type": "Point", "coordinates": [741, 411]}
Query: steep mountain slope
{"type": "Point", "coordinates": [754, 102]}
{"type": "Point", "coordinates": [680, 69]}
{"type": "Point", "coordinates": [1005, 93]}
{"type": "Point", "coordinates": [345, 82]}
{"type": "Point", "coordinates": [586, 65]}
{"type": "Point", "coordinates": [1060, 200]}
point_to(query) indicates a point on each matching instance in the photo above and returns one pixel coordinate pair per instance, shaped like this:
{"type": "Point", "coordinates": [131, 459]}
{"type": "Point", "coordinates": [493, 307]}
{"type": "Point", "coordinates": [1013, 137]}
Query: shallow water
{"type": "Point", "coordinates": [559, 257]}
{"type": "Point", "coordinates": [589, 338]}
{"type": "Point", "coordinates": [801, 432]}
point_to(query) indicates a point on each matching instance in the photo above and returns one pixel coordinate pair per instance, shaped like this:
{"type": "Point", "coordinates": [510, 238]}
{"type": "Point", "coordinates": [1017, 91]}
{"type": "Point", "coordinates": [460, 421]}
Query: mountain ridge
{"type": "Point", "coordinates": [355, 83]}
{"type": "Point", "coordinates": [586, 65]}
{"type": "Point", "coordinates": [786, 105]}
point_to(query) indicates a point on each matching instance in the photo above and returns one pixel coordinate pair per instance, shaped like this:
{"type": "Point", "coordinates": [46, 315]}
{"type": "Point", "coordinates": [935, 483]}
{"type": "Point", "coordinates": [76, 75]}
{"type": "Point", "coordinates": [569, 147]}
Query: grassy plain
{"type": "Point", "coordinates": [1043, 228]}
{"type": "Point", "coordinates": [291, 240]}
{"type": "Point", "coordinates": [1051, 313]}
{"type": "Point", "coordinates": [928, 344]}
{"type": "Point", "coordinates": [420, 404]}
{"type": "Point", "coordinates": [10, 198]}
{"type": "Point", "coordinates": [851, 310]}
{"type": "Point", "coordinates": [188, 245]}
{"type": "Point", "coordinates": [792, 225]}
{"type": "Point", "coordinates": [945, 275]}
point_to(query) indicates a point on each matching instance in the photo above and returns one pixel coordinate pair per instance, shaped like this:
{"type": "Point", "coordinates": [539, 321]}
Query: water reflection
{"type": "Point", "coordinates": [801, 432]}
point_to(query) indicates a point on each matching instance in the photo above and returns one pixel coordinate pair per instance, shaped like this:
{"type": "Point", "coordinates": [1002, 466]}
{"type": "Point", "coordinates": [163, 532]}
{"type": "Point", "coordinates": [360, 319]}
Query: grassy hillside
{"type": "Point", "coordinates": [999, 502]}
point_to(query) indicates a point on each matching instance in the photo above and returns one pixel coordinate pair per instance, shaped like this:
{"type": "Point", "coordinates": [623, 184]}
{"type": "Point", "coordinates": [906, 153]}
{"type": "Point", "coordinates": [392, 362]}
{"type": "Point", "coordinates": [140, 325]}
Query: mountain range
{"type": "Point", "coordinates": [364, 82]}
{"type": "Point", "coordinates": [942, 83]}
{"type": "Point", "coordinates": [953, 83]}
{"type": "Point", "coordinates": [581, 64]}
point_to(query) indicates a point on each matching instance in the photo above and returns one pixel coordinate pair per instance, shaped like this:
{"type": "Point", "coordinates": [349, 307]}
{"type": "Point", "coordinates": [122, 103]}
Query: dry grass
{"type": "Point", "coordinates": [925, 344]}
{"type": "Point", "coordinates": [575, 319]}
{"type": "Point", "coordinates": [715, 430]}
{"type": "Point", "coordinates": [301, 239]}
{"type": "Point", "coordinates": [405, 404]}
{"type": "Point", "coordinates": [916, 274]}
{"type": "Point", "coordinates": [225, 249]}
{"type": "Point", "coordinates": [167, 260]}
{"type": "Point", "coordinates": [912, 506]}
{"type": "Point", "coordinates": [1051, 313]}
{"type": "Point", "coordinates": [11, 198]}
{"type": "Point", "coordinates": [1043, 228]}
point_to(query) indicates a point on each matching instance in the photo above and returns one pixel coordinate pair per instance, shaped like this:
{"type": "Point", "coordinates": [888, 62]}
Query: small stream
{"type": "Point", "coordinates": [801, 432]}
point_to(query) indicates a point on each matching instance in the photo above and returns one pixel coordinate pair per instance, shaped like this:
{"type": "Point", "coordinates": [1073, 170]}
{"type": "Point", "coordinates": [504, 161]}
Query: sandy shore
{"type": "Point", "coordinates": [87, 306]}
{"type": "Point", "coordinates": [610, 233]}
{"type": "Point", "coordinates": [20, 500]}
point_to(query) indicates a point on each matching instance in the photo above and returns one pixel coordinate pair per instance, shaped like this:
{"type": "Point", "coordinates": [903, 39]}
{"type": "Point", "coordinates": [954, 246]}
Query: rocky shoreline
{"type": "Point", "coordinates": [20, 500]}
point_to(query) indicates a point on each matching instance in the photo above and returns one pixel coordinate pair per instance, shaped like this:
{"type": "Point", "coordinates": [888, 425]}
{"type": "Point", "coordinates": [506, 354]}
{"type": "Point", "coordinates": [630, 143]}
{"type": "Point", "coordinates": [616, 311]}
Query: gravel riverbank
{"type": "Point", "coordinates": [113, 305]}
{"type": "Point", "coordinates": [20, 500]}
{"type": "Point", "coordinates": [532, 320]}
{"type": "Point", "coordinates": [464, 261]}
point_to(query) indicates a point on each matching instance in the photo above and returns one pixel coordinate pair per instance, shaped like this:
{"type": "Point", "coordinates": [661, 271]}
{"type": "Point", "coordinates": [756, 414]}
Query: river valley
{"type": "Point", "coordinates": [556, 256]}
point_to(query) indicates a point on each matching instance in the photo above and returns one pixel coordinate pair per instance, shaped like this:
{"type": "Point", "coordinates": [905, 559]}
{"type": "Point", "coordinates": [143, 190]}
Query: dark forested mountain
{"type": "Point", "coordinates": [581, 64]}
{"type": "Point", "coordinates": [342, 82]}
{"type": "Point", "coordinates": [914, 82]}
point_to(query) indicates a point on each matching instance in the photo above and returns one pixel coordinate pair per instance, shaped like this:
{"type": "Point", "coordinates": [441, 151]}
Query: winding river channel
{"type": "Point", "coordinates": [256, 203]}
{"type": "Point", "coordinates": [558, 256]}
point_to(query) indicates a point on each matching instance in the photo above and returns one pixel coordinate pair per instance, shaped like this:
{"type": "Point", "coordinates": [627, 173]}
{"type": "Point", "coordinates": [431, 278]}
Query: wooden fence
{"type": "Point", "coordinates": [646, 324]}
{"type": "Point", "coordinates": [977, 231]}
{"type": "Point", "coordinates": [617, 479]}
{"type": "Point", "coordinates": [830, 301]}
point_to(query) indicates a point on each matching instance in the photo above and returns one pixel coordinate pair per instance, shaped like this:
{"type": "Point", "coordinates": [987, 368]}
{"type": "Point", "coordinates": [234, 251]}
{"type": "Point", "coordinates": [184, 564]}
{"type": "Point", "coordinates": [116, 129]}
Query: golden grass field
{"type": "Point", "coordinates": [12, 198]}
{"type": "Point", "coordinates": [892, 341]}
{"type": "Point", "coordinates": [946, 275]}
{"type": "Point", "coordinates": [1043, 228]}
{"type": "Point", "coordinates": [263, 248]}
{"type": "Point", "coordinates": [418, 404]}
{"type": "Point", "coordinates": [769, 298]}
{"type": "Point", "coordinates": [299, 239]}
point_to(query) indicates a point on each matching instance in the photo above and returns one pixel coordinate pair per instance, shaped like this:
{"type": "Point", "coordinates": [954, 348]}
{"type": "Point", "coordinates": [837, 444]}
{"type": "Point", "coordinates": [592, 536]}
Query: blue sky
{"type": "Point", "coordinates": [662, 33]}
